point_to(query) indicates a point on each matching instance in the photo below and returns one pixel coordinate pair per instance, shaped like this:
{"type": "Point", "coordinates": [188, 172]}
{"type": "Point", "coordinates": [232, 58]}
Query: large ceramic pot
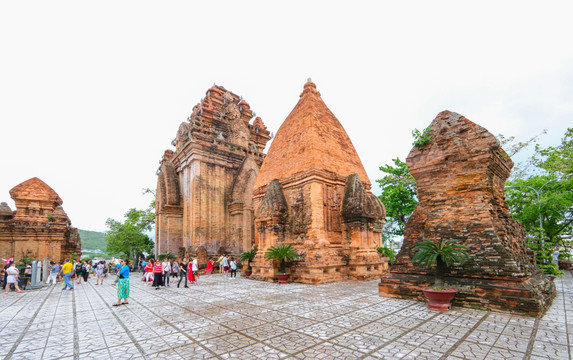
{"type": "Point", "coordinates": [283, 278]}
{"type": "Point", "coordinates": [248, 273]}
{"type": "Point", "coordinates": [439, 299]}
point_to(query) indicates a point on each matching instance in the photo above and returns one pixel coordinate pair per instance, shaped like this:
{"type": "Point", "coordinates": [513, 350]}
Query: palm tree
{"type": "Point", "coordinates": [444, 254]}
{"type": "Point", "coordinates": [282, 253]}
{"type": "Point", "coordinates": [248, 256]}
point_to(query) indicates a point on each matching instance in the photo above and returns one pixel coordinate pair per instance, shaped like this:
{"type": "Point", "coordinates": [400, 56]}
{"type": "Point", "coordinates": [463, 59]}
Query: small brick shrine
{"type": "Point", "coordinates": [461, 176]}
{"type": "Point", "coordinates": [39, 227]}
{"type": "Point", "coordinates": [313, 192]}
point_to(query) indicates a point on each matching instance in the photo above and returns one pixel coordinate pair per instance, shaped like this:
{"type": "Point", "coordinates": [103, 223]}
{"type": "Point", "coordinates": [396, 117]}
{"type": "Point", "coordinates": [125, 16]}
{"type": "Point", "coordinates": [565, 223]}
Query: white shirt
{"type": "Point", "coordinates": [233, 265]}
{"type": "Point", "coordinates": [194, 266]}
{"type": "Point", "coordinates": [225, 261]}
{"type": "Point", "coordinates": [12, 274]}
{"type": "Point", "coordinates": [166, 266]}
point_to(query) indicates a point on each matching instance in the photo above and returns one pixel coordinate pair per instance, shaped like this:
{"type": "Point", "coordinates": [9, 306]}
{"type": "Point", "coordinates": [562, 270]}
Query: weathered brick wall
{"type": "Point", "coordinates": [461, 175]}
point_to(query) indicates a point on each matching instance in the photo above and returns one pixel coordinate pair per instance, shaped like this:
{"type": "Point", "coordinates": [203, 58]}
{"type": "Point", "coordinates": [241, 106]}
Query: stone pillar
{"type": "Point", "coordinates": [36, 281]}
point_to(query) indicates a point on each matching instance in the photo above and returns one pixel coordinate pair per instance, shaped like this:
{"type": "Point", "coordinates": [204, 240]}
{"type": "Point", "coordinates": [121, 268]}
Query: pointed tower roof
{"type": "Point", "coordinates": [311, 137]}
{"type": "Point", "coordinates": [35, 189]}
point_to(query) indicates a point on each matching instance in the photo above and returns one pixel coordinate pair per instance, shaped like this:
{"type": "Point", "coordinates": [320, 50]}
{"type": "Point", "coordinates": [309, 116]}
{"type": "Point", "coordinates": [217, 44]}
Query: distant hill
{"type": "Point", "coordinates": [92, 240]}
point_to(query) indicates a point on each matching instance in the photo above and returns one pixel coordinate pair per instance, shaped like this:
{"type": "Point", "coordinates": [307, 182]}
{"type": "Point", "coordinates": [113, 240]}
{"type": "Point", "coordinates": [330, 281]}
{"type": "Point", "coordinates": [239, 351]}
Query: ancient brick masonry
{"type": "Point", "coordinates": [204, 201]}
{"type": "Point", "coordinates": [313, 192]}
{"type": "Point", "coordinates": [461, 175]}
{"type": "Point", "coordinates": [39, 227]}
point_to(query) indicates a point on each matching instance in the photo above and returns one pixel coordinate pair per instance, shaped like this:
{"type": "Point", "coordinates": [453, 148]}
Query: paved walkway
{"type": "Point", "coordinates": [244, 319]}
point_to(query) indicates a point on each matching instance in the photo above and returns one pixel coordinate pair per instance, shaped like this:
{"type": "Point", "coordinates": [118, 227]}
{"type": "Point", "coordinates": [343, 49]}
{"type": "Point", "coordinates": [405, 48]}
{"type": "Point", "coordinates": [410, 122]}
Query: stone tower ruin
{"type": "Point", "coordinates": [461, 176]}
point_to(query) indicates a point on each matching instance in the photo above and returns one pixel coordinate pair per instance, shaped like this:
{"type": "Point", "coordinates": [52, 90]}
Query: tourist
{"type": "Point", "coordinates": [12, 278]}
{"type": "Point", "coordinates": [209, 267]}
{"type": "Point", "coordinates": [233, 265]}
{"type": "Point", "coordinates": [190, 275]}
{"type": "Point", "coordinates": [166, 271]}
{"type": "Point", "coordinates": [86, 271]}
{"type": "Point", "coordinates": [79, 272]}
{"type": "Point", "coordinates": [225, 264]}
{"type": "Point", "coordinates": [220, 262]}
{"type": "Point", "coordinates": [6, 266]}
{"type": "Point", "coordinates": [149, 271]}
{"type": "Point", "coordinates": [157, 274]}
{"type": "Point", "coordinates": [54, 270]}
{"type": "Point", "coordinates": [100, 273]}
{"type": "Point", "coordinates": [67, 271]}
{"type": "Point", "coordinates": [556, 256]}
{"type": "Point", "coordinates": [175, 269]}
{"type": "Point", "coordinates": [195, 270]}
{"type": "Point", "coordinates": [143, 265]}
{"type": "Point", "coordinates": [183, 271]}
{"type": "Point", "coordinates": [123, 283]}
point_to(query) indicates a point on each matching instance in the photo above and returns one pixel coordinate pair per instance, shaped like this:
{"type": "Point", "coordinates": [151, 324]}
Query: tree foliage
{"type": "Point", "coordinates": [542, 201]}
{"type": "Point", "coordinates": [398, 196]}
{"type": "Point", "coordinates": [128, 237]}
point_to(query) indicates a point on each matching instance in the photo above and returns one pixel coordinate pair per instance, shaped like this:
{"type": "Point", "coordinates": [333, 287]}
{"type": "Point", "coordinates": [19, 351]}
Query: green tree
{"type": "Point", "coordinates": [398, 195]}
{"type": "Point", "coordinates": [128, 238]}
{"type": "Point", "coordinates": [542, 201]}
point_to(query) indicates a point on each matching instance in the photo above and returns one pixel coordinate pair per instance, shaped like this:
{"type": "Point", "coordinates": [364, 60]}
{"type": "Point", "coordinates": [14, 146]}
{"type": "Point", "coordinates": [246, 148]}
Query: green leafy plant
{"type": "Point", "coordinates": [27, 260]}
{"type": "Point", "coordinates": [551, 269]}
{"type": "Point", "coordinates": [248, 256]}
{"type": "Point", "coordinates": [387, 252]}
{"type": "Point", "coordinates": [282, 253]}
{"type": "Point", "coordinates": [421, 138]}
{"type": "Point", "coordinates": [50, 218]}
{"type": "Point", "coordinates": [443, 254]}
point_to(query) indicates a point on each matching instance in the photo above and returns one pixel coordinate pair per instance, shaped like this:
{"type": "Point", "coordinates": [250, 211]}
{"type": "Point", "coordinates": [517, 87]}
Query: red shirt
{"type": "Point", "coordinates": [158, 268]}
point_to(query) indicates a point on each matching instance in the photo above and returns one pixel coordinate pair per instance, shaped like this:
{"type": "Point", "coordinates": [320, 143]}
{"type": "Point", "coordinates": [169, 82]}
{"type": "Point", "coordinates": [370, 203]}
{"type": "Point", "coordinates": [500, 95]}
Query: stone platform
{"type": "Point", "coordinates": [244, 319]}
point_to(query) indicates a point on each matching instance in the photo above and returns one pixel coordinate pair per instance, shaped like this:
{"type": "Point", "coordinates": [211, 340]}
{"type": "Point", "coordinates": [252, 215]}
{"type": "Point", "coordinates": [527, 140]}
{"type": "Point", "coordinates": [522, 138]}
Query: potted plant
{"type": "Point", "coordinates": [248, 256]}
{"type": "Point", "coordinates": [282, 253]}
{"type": "Point", "coordinates": [443, 254]}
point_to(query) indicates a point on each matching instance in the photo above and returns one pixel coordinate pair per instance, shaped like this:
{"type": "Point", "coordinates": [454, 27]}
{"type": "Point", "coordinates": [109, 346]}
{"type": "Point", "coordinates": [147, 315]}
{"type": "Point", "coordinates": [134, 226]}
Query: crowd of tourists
{"type": "Point", "coordinates": [156, 273]}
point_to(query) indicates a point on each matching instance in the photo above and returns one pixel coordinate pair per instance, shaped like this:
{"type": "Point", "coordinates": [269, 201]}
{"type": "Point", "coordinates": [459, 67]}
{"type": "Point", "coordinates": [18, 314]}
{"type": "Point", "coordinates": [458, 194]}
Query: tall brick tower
{"type": "Point", "coordinates": [204, 201]}
{"type": "Point", "coordinates": [313, 192]}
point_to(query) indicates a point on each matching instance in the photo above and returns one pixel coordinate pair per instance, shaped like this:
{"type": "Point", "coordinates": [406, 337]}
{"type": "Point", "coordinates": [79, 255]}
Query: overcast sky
{"type": "Point", "coordinates": [92, 93]}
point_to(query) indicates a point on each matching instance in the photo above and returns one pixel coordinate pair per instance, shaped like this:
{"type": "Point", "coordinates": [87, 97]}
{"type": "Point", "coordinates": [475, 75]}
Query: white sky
{"type": "Point", "coordinates": [92, 93]}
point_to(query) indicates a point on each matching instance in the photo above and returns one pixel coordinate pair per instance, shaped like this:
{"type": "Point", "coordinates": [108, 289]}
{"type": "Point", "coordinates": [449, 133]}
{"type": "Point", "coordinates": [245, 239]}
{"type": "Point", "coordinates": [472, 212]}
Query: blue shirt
{"type": "Point", "coordinates": [124, 271]}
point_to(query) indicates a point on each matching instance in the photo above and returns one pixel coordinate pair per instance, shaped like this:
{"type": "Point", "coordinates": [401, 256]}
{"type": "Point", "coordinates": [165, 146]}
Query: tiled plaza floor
{"type": "Point", "coordinates": [244, 319]}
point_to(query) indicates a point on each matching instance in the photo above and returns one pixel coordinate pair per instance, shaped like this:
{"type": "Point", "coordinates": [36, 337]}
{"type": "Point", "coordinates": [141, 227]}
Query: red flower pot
{"type": "Point", "coordinates": [248, 273]}
{"type": "Point", "coordinates": [439, 299]}
{"type": "Point", "coordinates": [283, 278]}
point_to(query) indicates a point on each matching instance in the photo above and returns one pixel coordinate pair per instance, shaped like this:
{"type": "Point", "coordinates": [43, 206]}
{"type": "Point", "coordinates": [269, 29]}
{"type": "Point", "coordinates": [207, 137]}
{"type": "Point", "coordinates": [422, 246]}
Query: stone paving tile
{"type": "Point", "coordinates": [262, 320]}
{"type": "Point", "coordinates": [292, 342]}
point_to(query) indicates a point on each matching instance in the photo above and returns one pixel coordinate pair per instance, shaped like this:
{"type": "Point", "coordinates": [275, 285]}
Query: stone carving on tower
{"type": "Point", "coordinates": [313, 192]}
{"type": "Point", "coordinates": [204, 199]}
